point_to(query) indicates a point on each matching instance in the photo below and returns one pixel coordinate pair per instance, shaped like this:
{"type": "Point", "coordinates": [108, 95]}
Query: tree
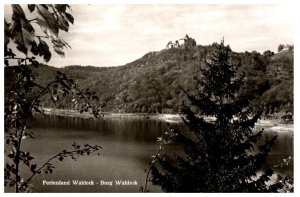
{"type": "Point", "coordinates": [280, 47]}
{"type": "Point", "coordinates": [22, 98]}
{"type": "Point", "coordinates": [268, 53]}
{"type": "Point", "coordinates": [290, 47]}
{"type": "Point", "coordinates": [219, 155]}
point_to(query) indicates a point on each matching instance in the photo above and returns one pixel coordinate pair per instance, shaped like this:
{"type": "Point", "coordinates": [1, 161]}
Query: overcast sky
{"type": "Point", "coordinates": [113, 35]}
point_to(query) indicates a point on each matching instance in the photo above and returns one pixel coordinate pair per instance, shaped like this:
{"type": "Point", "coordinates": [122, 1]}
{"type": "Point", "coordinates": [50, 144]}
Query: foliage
{"type": "Point", "coordinates": [221, 155]}
{"type": "Point", "coordinates": [156, 82]}
{"type": "Point", "coordinates": [280, 47]}
{"type": "Point", "coordinates": [23, 92]}
{"type": "Point", "coordinates": [288, 47]}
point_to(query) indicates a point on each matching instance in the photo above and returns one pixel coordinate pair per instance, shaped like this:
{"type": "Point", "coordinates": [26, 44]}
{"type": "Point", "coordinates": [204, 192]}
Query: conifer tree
{"type": "Point", "coordinates": [223, 155]}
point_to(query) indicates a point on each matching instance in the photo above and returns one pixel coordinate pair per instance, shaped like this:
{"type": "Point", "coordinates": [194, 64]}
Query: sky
{"type": "Point", "coordinates": [116, 34]}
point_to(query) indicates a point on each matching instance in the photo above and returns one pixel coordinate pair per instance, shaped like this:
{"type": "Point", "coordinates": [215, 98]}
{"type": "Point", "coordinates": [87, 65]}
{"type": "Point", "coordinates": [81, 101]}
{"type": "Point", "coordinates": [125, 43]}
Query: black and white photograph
{"type": "Point", "coordinates": [148, 98]}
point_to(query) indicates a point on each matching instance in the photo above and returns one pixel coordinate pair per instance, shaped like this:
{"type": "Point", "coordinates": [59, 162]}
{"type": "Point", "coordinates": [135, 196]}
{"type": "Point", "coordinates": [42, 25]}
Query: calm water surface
{"type": "Point", "coordinates": [128, 143]}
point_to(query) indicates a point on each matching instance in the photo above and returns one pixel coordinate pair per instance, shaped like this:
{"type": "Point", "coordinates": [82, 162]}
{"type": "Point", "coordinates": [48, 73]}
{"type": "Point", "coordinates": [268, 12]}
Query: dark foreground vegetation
{"type": "Point", "coordinates": [217, 156]}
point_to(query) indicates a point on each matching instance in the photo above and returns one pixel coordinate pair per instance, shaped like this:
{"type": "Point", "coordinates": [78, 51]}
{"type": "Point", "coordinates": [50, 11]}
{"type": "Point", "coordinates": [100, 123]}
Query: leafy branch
{"type": "Point", "coordinates": [74, 154]}
{"type": "Point", "coordinates": [162, 141]}
{"type": "Point", "coordinates": [22, 97]}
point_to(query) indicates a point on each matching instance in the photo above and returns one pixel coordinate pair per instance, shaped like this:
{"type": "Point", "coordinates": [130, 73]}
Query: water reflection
{"type": "Point", "coordinates": [129, 129]}
{"type": "Point", "coordinates": [128, 143]}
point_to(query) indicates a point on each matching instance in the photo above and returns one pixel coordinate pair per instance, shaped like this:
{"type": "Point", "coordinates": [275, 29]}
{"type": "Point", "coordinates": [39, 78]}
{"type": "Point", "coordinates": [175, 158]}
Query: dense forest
{"type": "Point", "coordinates": [158, 81]}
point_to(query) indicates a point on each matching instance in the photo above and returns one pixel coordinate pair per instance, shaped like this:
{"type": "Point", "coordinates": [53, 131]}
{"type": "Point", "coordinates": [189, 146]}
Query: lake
{"type": "Point", "coordinates": [128, 143]}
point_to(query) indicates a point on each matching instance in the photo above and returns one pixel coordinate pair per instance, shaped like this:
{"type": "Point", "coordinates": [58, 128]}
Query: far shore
{"type": "Point", "coordinates": [76, 113]}
{"type": "Point", "coordinates": [272, 124]}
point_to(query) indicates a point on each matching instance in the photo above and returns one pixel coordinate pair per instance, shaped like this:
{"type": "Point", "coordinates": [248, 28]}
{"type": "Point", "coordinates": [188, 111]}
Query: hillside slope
{"type": "Point", "coordinates": [155, 82]}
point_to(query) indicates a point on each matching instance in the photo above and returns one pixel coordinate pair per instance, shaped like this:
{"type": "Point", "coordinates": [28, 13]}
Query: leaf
{"type": "Point", "coordinates": [47, 21]}
{"type": "Point", "coordinates": [11, 155]}
{"type": "Point", "coordinates": [44, 50]}
{"type": "Point", "coordinates": [33, 167]}
{"type": "Point", "coordinates": [22, 33]}
{"type": "Point", "coordinates": [17, 12]}
{"type": "Point", "coordinates": [63, 23]}
{"type": "Point", "coordinates": [58, 43]}
{"type": "Point", "coordinates": [44, 6]}
{"type": "Point", "coordinates": [34, 48]}
{"type": "Point", "coordinates": [70, 18]}
{"type": "Point", "coordinates": [30, 158]}
{"type": "Point", "coordinates": [35, 64]}
{"type": "Point", "coordinates": [8, 166]}
{"type": "Point", "coordinates": [61, 7]}
{"type": "Point", "coordinates": [59, 51]}
{"type": "Point", "coordinates": [47, 57]}
{"type": "Point", "coordinates": [22, 38]}
{"type": "Point", "coordinates": [31, 7]}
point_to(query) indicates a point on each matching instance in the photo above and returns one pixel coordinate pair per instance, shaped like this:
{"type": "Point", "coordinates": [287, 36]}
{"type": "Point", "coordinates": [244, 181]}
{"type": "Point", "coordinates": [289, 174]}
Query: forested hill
{"type": "Point", "coordinates": [155, 82]}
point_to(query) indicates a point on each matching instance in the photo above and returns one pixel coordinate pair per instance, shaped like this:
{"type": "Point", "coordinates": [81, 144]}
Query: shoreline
{"type": "Point", "coordinates": [75, 113]}
{"type": "Point", "coordinates": [273, 124]}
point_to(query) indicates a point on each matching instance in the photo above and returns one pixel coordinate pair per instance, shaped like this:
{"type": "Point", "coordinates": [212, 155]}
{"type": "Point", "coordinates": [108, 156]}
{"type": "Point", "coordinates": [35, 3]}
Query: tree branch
{"type": "Point", "coordinates": [94, 148]}
{"type": "Point", "coordinates": [22, 131]}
